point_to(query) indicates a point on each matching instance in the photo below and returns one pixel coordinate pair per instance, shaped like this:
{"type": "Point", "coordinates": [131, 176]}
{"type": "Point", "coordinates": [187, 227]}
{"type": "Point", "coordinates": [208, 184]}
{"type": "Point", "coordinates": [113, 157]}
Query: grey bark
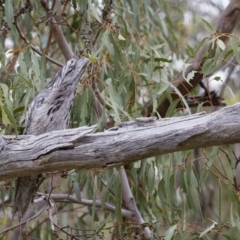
{"type": "Point", "coordinates": [129, 202]}
{"type": "Point", "coordinates": [49, 110]}
{"type": "Point", "coordinates": [130, 141]}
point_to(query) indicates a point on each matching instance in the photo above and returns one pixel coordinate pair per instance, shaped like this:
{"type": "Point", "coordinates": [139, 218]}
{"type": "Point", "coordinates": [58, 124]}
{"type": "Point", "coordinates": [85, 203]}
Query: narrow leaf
{"type": "Point", "coordinates": [221, 44]}
{"type": "Point", "coordinates": [208, 27]}
{"type": "Point", "coordinates": [235, 49]}
{"type": "Point", "coordinates": [120, 37]}
{"type": "Point", "coordinates": [170, 232]}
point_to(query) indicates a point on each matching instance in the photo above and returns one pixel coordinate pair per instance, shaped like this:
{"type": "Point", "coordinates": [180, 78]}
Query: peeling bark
{"type": "Point", "coordinates": [128, 142]}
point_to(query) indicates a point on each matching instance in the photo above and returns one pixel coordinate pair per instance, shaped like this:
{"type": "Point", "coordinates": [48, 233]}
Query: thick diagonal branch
{"type": "Point", "coordinates": [225, 26]}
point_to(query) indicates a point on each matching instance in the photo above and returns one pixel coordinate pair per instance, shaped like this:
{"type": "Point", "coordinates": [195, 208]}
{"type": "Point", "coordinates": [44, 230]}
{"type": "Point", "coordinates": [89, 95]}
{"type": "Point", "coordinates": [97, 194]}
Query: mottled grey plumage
{"type": "Point", "coordinates": [49, 110]}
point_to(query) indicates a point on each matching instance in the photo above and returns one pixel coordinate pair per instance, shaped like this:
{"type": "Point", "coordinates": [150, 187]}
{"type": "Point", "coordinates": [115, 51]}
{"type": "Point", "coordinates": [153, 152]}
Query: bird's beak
{"type": "Point", "coordinates": [82, 63]}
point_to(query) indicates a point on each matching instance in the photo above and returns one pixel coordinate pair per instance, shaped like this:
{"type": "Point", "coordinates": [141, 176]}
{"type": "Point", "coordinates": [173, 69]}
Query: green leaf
{"type": "Point", "coordinates": [217, 78]}
{"type": "Point", "coordinates": [9, 16]}
{"type": "Point", "coordinates": [213, 156]}
{"type": "Point", "coordinates": [158, 46]}
{"type": "Point", "coordinates": [18, 109]}
{"type": "Point", "coordinates": [182, 98]}
{"type": "Point", "coordinates": [101, 225]}
{"type": "Point", "coordinates": [11, 118]}
{"type": "Point", "coordinates": [162, 191]}
{"type": "Point", "coordinates": [151, 179]}
{"type": "Point", "coordinates": [77, 190]}
{"type": "Point", "coordinates": [217, 56]}
{"type": "Point", "coordinates": [5, 118]}
{"type": "Point", "coordinates": [83, 4]}
{"type": "Point", "coordinates": [207, 67]}
{"type": "Point", "coordinates": [170, 232]}
{"type": "Point", "coordinates": [94, 197]}
{"type": "Point", "coordinates": [5, 89]}
{"type": "Point", "coordinates": [117, 50]}
{"type": "Point", "coordinates": [120, 37]}
{"type": "Point", "coordinates": [35, 65]}
{"type": "Point", "coordinates": [231, 216]}
{"type": "Point", "coordinates": [220, 204]}
{"type": "Point", "coordinates": [188, 188]}
{"type": "Point", "coordinates": [92, 58]}
{"type": "Point", "coordinates": [106, 190]}
{"type": "Point", "coordinates": [22, 64]}
{"type": "Point", "coordinates": [208, 27]}
{"type": "Point", "coordinates": [74, 4]}
{"type": "Point", "coordinates": [172, 108]}
{"type": "Point", "coordinates": [221, 44]}
{"type": "Point", "coordinates": [26, 81]}
{"type": "Point", "coordinates": [203, 41]}
{"type": "Point", "coordinates": [94, 11]}
{"type": "Point", "coordinates": [235, 49]}
{"type": "Point", "coordinates": [228, 53]}
{"type": "Point", "coordinates": [118, 196]}
{"type": "Point", "coordinates": [170, 191]}
{"type": "Point", "coordinates": [159, 59]}
{"type": "Point", "coordinates": [157, 68]}
{"type": "Point", "coordinates": [161, 87]}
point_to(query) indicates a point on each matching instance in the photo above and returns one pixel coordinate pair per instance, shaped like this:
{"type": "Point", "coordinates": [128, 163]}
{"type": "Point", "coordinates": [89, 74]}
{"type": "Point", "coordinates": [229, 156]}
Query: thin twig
{"type": "Point", "coordinates": [59, 36]}
{"type": "Point", "coordinates": [105, 184]}
{"type": "Point", "coordinates": [25, 221]}
{"type": "Point", "coordinates": [67, 233]}
{"type": "Point", "coordinates": [71, 199]}
{"type": "Point", "coordinates": [47, 57]}
{"type": "Point", "coordinates": [228, 158]}
{"type": "Point", "coordinates": [15, 22]}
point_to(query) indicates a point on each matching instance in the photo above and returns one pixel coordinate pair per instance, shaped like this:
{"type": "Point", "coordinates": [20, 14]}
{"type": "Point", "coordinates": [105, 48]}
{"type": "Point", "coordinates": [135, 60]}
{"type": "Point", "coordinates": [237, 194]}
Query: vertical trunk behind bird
{"type": "Point", "coordinates": [49, 111]}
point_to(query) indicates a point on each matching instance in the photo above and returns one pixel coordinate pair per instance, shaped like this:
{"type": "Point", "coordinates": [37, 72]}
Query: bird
{"type": "Point", "coordinates": [48, 111]}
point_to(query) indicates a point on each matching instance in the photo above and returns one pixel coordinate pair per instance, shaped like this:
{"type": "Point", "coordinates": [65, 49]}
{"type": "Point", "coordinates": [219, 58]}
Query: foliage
{"type": "Point", "coordinates": [135, 49]}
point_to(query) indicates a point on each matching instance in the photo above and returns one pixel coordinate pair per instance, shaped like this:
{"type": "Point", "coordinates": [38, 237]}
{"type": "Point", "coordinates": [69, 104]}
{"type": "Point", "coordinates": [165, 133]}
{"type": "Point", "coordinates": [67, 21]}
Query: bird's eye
{"type": "Point", "coordinates": [71, 66]}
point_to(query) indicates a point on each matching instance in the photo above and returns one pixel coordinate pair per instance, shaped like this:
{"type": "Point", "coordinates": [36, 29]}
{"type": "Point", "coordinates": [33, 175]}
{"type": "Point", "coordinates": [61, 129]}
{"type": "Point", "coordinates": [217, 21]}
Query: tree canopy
{"type": "Point", "coordinates": [148, 154]}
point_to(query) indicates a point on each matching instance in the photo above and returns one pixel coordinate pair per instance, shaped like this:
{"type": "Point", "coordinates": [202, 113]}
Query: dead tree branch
{"type": "Point", "coordinates": [129, 142]}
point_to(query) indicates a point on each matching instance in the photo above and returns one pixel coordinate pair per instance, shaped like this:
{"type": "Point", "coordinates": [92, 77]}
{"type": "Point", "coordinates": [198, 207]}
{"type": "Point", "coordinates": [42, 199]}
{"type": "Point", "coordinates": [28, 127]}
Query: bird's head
{"type": "Point", "coordinates": [75, 67]}
{"type": "Point", "coordinates": [71, 72]}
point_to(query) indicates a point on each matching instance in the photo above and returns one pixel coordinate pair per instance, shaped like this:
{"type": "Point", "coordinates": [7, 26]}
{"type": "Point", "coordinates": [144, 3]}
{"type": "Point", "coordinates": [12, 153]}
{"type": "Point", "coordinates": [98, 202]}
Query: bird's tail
{"type": "Point", "coordinates": [26, 187]}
